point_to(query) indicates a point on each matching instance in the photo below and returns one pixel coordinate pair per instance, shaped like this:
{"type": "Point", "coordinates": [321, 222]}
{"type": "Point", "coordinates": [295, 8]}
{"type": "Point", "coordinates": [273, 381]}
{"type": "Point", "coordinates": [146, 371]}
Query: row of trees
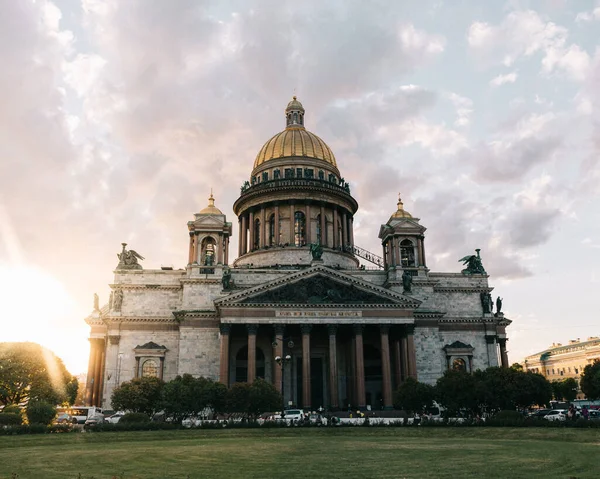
{"type": "Point", "coordinates": [187, 396]}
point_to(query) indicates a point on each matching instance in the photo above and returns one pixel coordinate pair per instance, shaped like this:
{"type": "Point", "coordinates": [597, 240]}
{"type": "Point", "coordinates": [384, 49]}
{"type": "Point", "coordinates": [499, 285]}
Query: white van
{"type": "Point", "coordinates": [82, 413]}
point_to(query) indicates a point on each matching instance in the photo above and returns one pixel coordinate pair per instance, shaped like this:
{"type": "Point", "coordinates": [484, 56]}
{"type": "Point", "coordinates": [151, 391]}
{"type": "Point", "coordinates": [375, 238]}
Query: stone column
{"type": "Point", "coordinates": [292, 242]}
{"type": "Point", "coordinates": [252, 330]}
{"type": "Point", "coordinates": [278, 351]}
{"type": "Point", "coordinates": [196, 253]}
{"type": "Point", "coordinates": [102, 373]}
{"type": "Point", "coordinates": [344, 229]}
{"type": "Point", "coordinates": [97, 372]}
{"type": "Point", "coordinates": [503, 353]}
{"type": "Point", "coordinates": [404, 344]}
{"type": "Point", "coordinates": [263, 228]}
{"type": "Point", "coordinates": [251, 226]}
{"type": "Point", "coordinates": [308, 225]}
{"type": "Point", "coordinates": [226, 259]}
{"type": "Point", "coordinates": [89, 384]}
{"type": "Point", "coordinates": [333, 372]}
{"type": "Point", "coordinates": [361, 398]}
{"type": "Point", "coordinates": [244, 234]}
{"type": "Point", "coordinates": [323, 226]}
{"type": "Point", "coordinates": [351, 230]}
{"type": "Point", "coordinates": [419, 251]}
{"type": "Point", "coordinates": [306, 396]}
{"type": "Point", "coordinates": [423, 251]}
{"type": "Point", "coordinates": [397, 252]}
{"type": "Point", "coordinates": [220, 245]}
{"type": "Point", "coordinates": [335, 228]}
{"type": "Point", "coordinates": [277, 232]}
{"type": "Point", "coordinates": [225, 329]}
{"type": "Point", "coordinates": [397, 355]}
{"type": "Point", "coordinates": [136, 373]}
{"type": "Point", "coordinates": [412, 356]}
{"type": "Point", "coordinates": [492, 350]}
{"type": "Point", "coordinates": [240, 236]}
{"type": "Point", "coordinates": [386, 369]}
{"type": "Point", "coordinates": [191, 253]}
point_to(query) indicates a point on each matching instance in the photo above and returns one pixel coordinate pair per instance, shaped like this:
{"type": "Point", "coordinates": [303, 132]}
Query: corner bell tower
{"type": "Point", "coordinates": [403, 242]}
{"type": "Point", "coordinates": [209, 237]}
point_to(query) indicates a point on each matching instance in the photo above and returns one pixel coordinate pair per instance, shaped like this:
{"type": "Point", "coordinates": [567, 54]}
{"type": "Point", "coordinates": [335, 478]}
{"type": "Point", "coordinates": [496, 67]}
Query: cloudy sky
{"type": "Point", "coordinates": [116, 119]}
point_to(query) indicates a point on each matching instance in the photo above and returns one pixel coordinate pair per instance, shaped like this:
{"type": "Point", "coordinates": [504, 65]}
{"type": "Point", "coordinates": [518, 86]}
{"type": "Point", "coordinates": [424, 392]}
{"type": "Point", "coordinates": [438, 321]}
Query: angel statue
{"type": "Point", "coordinates": [473, 264]}
{"type": "Point", "coordinates": [316, 250]}
{"type": "Point", "coordinates": [128, 259]}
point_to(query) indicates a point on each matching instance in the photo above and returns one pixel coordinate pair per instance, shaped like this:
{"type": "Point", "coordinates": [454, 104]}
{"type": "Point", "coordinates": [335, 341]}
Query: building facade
{"type": "Point", "coordinates": [349, 335]}
{"type": "Point", "coordinates": [564, 361]}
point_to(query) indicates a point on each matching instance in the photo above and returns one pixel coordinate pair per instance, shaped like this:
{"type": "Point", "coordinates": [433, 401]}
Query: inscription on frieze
{"type": "Point", "coordinates": [317, 314]}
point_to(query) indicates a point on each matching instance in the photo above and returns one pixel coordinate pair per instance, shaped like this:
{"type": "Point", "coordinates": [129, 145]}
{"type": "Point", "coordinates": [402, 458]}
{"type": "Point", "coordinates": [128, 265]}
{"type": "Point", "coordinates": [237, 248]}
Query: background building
{"type": "Point", "coordinates": [297, 287]}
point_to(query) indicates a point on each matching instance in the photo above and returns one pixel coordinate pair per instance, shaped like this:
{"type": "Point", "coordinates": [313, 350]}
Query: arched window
{"type": "Point", "coordinates": [149, 369]}
{"type": "Point", "coordinates": [459, 364]}
{"type": "Point", "coordinates": [256, 244]}
{"type": "Point", "coordinates": [319, 232]}
{"type": "Point", "coordinates": [299, 229]}
{"type": "Point", "coordinates": [241, 364]}
{"type": "Point", "coordinates": [207, 251]}
{"type": "Point", "coordinates": [295, 118]}
{"type": "Point", "coordinates": [407, 253]}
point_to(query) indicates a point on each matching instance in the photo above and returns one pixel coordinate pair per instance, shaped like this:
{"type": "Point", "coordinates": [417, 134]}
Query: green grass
{"type": "Point", "coordinates": [313, 453]}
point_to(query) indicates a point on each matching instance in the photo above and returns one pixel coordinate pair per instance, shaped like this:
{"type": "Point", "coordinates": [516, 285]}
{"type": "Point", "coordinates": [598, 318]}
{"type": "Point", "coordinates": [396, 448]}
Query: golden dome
{"type": "Point", "coordinates": [400, 212]}
{"type": "Point", "coordinates": [295, 140]}
{"type": "Point", "coordinates": [211, 209]}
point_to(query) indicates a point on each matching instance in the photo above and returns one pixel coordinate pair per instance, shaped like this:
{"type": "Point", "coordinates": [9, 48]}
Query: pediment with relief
{"type": "Point", "coordinates": [319, 286]}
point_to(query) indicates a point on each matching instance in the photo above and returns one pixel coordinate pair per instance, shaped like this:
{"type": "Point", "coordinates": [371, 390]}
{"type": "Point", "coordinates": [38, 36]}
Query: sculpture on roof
{"type": "Point", "coordinates": [96, 302]}
{"type": "Point", "coordinates": [118, 300]}
{"type": "Point", "coordinates": [407, 281]}
{"type": "Point", "coordinates": [128, 259]}
{"type": "Point", "coordinates": [486, 302]}
{"type": "Point", "coordinates": [227, 281]}
{"type": "Point", "coordinates": [498, 306]}
{"type": "Point", "coordinates": [473, 264]}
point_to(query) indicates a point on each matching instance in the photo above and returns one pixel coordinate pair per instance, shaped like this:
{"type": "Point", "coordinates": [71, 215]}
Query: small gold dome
{"type": "Point", "coordinates": [400, 212]}
{"type": "Point", "coordinates": [294, 105]}
{"type": "Point", "coordinates": [295, 141]}
{"type": "Point", "coordinates": [211, 209]}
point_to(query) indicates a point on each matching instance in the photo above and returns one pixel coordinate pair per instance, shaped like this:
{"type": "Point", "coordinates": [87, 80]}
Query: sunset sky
{"type": "Point", "coordinates": [117, 117]}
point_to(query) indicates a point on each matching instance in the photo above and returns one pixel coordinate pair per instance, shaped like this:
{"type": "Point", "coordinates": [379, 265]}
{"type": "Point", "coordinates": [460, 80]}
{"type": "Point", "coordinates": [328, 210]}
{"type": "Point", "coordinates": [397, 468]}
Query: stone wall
{"type": "Point", "coordinates": [199, 350]}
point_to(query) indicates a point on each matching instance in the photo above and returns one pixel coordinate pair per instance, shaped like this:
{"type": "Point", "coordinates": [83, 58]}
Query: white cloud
{"type": "Point", "coordinates": [585, 17]}
{"type": "Point", "coordinates": [502, 79]}
{"type": "Point", "coordinates": [464, 108]}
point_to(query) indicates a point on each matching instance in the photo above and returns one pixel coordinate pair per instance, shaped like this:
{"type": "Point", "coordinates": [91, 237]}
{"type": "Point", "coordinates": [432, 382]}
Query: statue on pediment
{"type": "Point", "coordinates": [486, 302]}
{"type": "Point", "coordinates": [118, 300]}
{"type": "Point", "coordinates": [96, 302]}
{"type": "Point", "coordinates": [316, 250]}
{"type": "Point", "coordinates": [227, 280]}
{"type": "Point", "coordinates": [407, 281]}
{"type": "Point", "coordinates": [498, 305]}
{"type": "Point", "coordinates": [128, 259]}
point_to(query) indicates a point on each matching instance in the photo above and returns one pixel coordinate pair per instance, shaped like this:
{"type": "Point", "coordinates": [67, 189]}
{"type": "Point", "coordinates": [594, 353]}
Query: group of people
{"type": "Point", "coordinates": [572, 413]}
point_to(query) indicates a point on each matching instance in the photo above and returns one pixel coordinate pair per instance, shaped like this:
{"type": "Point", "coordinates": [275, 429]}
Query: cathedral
{"type": "Point", "coordinates": [299, 306]}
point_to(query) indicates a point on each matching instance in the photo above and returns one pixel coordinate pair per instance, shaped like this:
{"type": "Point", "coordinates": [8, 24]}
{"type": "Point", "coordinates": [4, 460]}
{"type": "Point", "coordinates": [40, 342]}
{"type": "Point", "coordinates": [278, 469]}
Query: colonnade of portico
{"type": "Point", "coordinates": [342, 349]}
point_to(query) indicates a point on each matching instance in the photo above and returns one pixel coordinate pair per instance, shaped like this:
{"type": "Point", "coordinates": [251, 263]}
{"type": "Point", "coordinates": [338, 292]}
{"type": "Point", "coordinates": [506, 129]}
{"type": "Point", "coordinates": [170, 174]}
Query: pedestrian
{"type": "Point", "coordinates": [570, 412]}
{"type": "Point", "coordinates": [585, 413]}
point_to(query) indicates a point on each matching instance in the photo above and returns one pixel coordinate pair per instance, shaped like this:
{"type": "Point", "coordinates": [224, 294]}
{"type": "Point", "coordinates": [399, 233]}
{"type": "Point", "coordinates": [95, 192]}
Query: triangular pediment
{"type": "Point", "coordinates": [217, 220]}
{"type": "Point", "coordinates": [319, 285]}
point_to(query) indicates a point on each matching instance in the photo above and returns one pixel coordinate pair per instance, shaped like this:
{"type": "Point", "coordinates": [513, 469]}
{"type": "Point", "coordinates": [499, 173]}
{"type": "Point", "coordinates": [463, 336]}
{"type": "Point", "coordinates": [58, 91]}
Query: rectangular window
{"type": "Point", "coordinates": [289, 173]}
{"type": "Point", "coordinates": [276, 174]}
{"type": "Point", "coordinates": [298, 172]}
{"type": "Point", "coordinates": [321, 175]}
{"type": "Point", "coordinates": [265, 176]}
{"type": "Point", "coordinates": [308, 173]}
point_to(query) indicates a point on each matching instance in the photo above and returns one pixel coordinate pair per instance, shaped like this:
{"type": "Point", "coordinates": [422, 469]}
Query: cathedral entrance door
{"type": "Point", "coordinates": [316, 383]}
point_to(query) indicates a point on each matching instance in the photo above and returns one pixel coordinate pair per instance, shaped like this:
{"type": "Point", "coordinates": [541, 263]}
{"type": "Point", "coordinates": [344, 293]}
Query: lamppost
{"type": "Point", "coordinates": [282, 362]}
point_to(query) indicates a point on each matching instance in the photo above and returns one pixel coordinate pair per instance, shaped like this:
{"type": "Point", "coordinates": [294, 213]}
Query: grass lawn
{"type": "Point", "coordinates": [314, 453]}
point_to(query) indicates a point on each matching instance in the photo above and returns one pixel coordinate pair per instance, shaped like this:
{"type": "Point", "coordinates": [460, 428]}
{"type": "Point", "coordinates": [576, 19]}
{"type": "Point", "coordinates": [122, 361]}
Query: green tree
{"type": "Point", "coordinates": [187, 396]}
{"type": "Point", "coordinates": [40, 412]}
{"type": "Point", "coordinates": [457, 390]}
{"type": "Point", "coordinates": [138, 395]}
{"type": "Point", "coordinates": [30, 372]}
{"type": "Point", "coordinates": [532, 389]}
{"type": "Point", "coordinates": [253, 399]}
{"type": "Point", "coordinates": [413, 396]}
{"type": "Point", "coordinates": [590, 381]}
{"type": "Point", "coordinates": [516, 367]}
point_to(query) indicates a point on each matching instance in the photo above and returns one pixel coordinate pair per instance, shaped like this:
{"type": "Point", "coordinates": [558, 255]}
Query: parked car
{"type": "Point", "coordinates": [115, 418]}
{"type": "Point", "coordinates": [93, 421]}
{"type": "Point", "coordinates": [540, 413]}
{"type": "Point", "coordinates": [294, 415]}
{"type": "Point", "coordinates": [317, 419]}
{"type": "Point", "coordinates": [65, 418]}
{"type": "Point", "coordinates": [556, 415]}
{"type": "Point", "coordinates": [594, 414]}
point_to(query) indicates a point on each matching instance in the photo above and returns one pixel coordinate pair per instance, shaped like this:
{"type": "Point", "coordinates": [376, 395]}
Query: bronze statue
{"type": "Point", "coordinates": [226, 280]}
{"type": "Point", "coordinates": [128, 259]}
{"type": "Point", "coordinates": [498, 305]}
{"type": "Point", "coordinates": [473, 264]}
{"type": "Point", "coordinates": [407, 281]}
{"type": "Point", "coordinates": [118, 300]}
{"type": "Point", "coordinates": [316, 250]}
{"type": "Point", "coordinates": [486, 302]}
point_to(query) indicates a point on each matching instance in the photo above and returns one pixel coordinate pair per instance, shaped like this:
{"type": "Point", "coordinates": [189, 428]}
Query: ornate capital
{"type": "Point", "coordinates": [358, 329]}
{"type": "Point", "coordinates": [384, 328]}
{"type": "Point", "coordinates": [252, 328]}
{"type": "Point", "coordinates": [224, 328]}
{"type": "Point", "coordinates": [279, 329]}
{"type": "Point", "coordinates": [502, 342]}
{"type": "Point", "coordinates": [332, 329]}
{"type": "Point", "coordinates": [306, 328]}
{"type": "Point", "coordinates": [114, 339]}
{"type": "Point", "coordinates": [490, 338]}
{"type": "Point", "coordinates": [410, 329]}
